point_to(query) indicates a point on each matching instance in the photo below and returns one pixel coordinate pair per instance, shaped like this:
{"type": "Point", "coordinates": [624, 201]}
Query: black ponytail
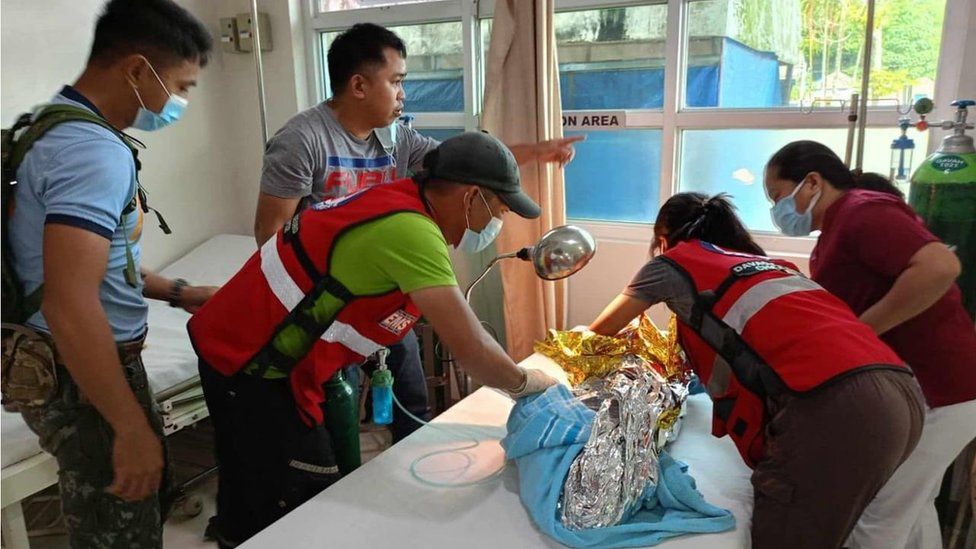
{"type": "Point", "coordinates": [799, 158]}
{"type": "Point", "coordinates": [875, 182]}
{"type": "Point", "coordinates": [687, 216]}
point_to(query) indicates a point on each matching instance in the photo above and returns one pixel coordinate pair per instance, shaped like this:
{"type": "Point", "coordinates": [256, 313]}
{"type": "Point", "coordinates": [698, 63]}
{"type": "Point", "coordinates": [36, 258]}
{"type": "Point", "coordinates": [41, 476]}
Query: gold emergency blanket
{"type": "Point", "coordinates": [586, 354]}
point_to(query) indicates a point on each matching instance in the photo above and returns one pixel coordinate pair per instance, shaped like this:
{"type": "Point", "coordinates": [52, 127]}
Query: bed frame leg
{"type": "Point", "coordinates": [14, 527]}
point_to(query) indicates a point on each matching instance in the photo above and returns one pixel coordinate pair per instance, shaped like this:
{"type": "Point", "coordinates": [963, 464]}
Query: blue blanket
{"type": "Point", "coordinates": [545, 434]}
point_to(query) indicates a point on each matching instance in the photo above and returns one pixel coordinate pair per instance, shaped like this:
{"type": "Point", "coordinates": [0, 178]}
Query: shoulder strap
{"type": "Point", "coordinates": [749, 367]}
{"type": "Point", "coordinates": [52, 115]}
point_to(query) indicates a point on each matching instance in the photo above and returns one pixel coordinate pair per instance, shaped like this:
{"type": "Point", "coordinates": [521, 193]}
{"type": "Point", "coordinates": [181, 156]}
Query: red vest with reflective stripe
{"type": "Point", "coordinates": [242, 317]}
{"type": "Point", "coordinates": [785, 331]}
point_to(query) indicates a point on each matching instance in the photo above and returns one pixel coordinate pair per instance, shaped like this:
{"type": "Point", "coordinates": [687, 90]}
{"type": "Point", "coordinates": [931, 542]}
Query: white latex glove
{"type": "Point", "coordinates": [536, 381]}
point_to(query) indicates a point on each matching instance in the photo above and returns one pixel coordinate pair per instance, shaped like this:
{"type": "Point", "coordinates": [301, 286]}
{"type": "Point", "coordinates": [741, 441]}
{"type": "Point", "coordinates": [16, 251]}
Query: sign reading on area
{"type": "Point", "coordinates": [594, 120]}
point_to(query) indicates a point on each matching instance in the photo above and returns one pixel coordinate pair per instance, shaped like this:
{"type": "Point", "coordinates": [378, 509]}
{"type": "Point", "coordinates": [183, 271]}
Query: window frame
{"type": "Point", "coordinates": [437, 11]}
{"type": "Point", "coordinates": [672, 119]}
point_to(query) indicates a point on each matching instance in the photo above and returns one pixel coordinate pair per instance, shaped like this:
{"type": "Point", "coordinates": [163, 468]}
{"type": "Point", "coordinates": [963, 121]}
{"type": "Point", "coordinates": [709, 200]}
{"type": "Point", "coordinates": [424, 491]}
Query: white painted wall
{"type": "Point", "coordinates": [208, 173]}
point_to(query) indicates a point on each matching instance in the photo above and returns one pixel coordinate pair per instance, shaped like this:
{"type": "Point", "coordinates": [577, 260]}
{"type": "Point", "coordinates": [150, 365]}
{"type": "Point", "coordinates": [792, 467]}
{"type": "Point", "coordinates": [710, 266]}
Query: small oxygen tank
{"type": "Point", "coordinates": [342, 420]}
{"type": "Point", "coordinates": [382, 387]}
{"type": "Point", "coordinates": [943, 193]}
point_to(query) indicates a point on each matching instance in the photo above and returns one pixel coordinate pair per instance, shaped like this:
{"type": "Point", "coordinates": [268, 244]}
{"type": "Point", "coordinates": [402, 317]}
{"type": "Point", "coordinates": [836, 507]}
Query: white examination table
{"type": "Point", "coordinates": [381, 505]}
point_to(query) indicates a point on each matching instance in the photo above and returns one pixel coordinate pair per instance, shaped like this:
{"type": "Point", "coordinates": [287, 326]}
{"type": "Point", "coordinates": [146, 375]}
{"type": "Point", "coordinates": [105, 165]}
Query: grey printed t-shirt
{"type": "Point", "coordinates": [659, 281]}
{"type": "Point", "coordinates": [314, 155]}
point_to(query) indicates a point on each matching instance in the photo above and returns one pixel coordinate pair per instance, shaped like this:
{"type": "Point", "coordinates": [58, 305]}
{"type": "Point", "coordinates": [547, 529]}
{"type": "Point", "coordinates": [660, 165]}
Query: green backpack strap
{"type": "Point", "coordinates": [52, 115]}
{"type": "Point", "coordinates": [40, 123]}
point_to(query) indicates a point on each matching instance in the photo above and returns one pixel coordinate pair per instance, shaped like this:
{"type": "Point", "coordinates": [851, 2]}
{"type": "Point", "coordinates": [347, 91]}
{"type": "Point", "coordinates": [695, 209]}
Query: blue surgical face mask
{"type": "Point", "coordinates": [473, 242]}
{"type": "Point", "coordinates": [148, 120]}
{"type": "Point", "coordinates": [790, 221]}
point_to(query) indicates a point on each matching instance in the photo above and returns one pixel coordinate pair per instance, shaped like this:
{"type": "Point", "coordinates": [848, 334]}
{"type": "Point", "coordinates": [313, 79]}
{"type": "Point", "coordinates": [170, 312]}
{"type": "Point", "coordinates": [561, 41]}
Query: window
{"type": "Point", "coordinates": [340, 5]}
{"type": "Point", "coordinates": [701, 92]}
{"type": "Point", "coordinates": [732, 161]}
{"type": "Point", "coordinates": [435, 66]}
{"type": "Point", "coordinates": [609, 58]}
{"type": "Point", "coordinates": [779, 53]}
{"type": "Point", "coordinates": [612, 58]}
{"type": "Point", "coordinates": [908, 35]}
{"type": "Point", "coordinates": [615, 176]}
{"type": "Point", "coordinates": [742, 53]}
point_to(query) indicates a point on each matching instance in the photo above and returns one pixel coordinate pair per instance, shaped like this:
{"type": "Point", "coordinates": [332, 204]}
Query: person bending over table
{"type": "Point", "coordinates": [818, 407]}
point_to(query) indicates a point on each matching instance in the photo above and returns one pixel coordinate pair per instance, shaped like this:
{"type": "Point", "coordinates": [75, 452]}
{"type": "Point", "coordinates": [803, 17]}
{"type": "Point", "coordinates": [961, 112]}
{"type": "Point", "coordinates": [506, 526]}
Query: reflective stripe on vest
{"type": "Point", "coordinates": [289, 294]}
{"type": "Point", "coordinates": [280, 282]}
{"type": "Point", "coordinates": [345, 334]}
{"type": "Point", "coordinates": [749, 303]}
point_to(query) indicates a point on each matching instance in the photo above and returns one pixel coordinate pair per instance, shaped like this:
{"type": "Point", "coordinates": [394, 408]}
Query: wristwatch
{"type": "Point", "coordinates": [176, 291]}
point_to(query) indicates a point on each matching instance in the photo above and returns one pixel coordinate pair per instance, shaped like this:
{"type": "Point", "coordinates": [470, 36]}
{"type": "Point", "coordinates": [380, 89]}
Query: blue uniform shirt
{"type": "Point", "coordinates": [81, 174]}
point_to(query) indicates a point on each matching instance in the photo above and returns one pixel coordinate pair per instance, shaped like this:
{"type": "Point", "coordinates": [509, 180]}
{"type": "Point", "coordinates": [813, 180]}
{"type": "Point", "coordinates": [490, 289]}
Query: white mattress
{"type": "Point", "coordinates": [168, 356]}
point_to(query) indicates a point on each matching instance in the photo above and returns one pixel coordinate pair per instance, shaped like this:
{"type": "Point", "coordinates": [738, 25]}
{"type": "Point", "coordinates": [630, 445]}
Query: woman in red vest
{"type": "Point", "coordinates": [876, 255]}
{"type": "Point", "coordinates": [816, 404]}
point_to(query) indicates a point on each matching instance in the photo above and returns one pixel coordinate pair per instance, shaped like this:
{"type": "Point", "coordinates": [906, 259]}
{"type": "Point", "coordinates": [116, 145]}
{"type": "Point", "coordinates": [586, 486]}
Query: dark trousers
{"type": "Point", "coordinates": [269, 461]}
{"type": "Point", "coordinates": [828, 452]}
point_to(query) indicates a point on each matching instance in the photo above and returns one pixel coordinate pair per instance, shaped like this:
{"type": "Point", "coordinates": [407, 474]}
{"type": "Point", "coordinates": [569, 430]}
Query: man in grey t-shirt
{"type": "Point", "coordinates": [314, 155]}
{"type": "Point", "coordinates": [352, 141]}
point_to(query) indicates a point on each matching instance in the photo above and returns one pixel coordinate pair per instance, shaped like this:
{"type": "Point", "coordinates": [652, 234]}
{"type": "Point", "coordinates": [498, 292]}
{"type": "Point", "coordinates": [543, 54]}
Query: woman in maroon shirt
{"type": "Point", "coordinates": [875, 253]}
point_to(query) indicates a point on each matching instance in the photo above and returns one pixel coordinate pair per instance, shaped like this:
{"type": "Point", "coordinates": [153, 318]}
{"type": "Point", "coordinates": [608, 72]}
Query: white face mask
{"type": "Point", "coordinates": [473, 242]}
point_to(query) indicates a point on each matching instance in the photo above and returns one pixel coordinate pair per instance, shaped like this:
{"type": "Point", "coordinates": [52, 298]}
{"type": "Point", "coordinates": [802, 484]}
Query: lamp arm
{"type": "Point", "coordinates": [467, 293]}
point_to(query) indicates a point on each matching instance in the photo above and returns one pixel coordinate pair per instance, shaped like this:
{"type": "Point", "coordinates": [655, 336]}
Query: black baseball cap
{"type": "Point", "coordinates": [477, 158]}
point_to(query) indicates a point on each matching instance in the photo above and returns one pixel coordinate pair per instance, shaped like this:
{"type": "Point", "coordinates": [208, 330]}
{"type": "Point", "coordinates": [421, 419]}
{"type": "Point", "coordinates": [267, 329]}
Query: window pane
{"type": "Point", "coordinates": [907, 39]}
{"type": "Point", "coordinates": [732, 161]}
{"type": "Point", "coordinates": [615, 176]}
{"type": "Point", "coordinates": [612, 58]}
{"type": "Point", "coordinates": [440, 134]}
{"type": "Point", "coordinates": [435, 66]}
{"type": "Point", "coordinates": [608, 58]}
{"type": "Point", "coordinates": [339, 5]}
{"type": "Point", "coordinates": [776, 53]}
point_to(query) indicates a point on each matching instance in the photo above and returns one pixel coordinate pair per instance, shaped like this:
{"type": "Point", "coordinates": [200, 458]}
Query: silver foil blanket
{"type": "Point", "coordinates": [636, 415]}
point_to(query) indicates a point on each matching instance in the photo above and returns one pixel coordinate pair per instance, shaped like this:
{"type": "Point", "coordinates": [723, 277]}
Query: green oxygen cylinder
{"type": "Point", "coordinates": [943, 193]}
{"type": "Point", "coordinates": [342, 421]}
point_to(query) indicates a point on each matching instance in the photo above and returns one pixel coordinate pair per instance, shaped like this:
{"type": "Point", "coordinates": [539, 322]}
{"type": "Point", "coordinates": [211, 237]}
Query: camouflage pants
{"type": "Point", "coordinates": [81, 440]}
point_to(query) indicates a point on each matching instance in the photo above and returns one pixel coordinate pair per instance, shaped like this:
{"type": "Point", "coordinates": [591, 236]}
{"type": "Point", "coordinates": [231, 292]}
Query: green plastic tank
{"type": "Point", "coordinates": [943, 193]}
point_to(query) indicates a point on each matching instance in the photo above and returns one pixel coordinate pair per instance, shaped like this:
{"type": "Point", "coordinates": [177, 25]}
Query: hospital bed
{"type": "Point", "coordinates": [387, 505]}
{"type": "Point", "coordinates": [171, 366]}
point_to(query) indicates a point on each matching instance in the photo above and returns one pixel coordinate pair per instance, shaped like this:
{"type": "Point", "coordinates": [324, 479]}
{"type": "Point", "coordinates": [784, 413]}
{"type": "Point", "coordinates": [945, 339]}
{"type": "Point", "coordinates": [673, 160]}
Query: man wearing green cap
{"type": "Point", "coordinates": [343, 279]}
